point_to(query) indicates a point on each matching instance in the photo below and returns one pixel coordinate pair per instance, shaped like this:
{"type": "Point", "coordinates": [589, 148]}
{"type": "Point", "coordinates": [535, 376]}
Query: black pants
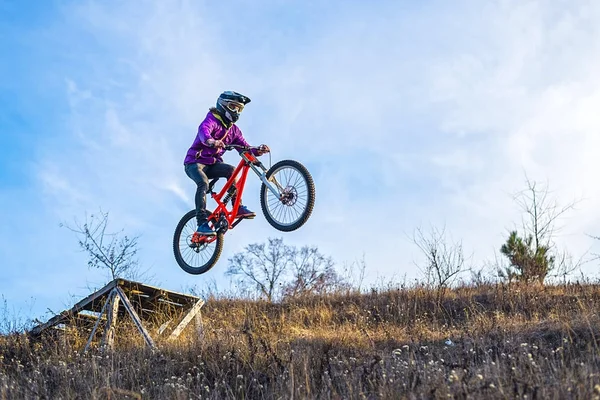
{"type": "Point", "coordinates": [200, 174]}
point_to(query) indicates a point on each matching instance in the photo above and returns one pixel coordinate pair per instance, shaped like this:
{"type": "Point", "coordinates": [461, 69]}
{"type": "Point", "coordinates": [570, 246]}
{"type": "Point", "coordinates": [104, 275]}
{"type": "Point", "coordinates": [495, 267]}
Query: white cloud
{"type": "Point", "coordinates": [405, 117]}
{"type": "Point", "coordinates": [534, 105]}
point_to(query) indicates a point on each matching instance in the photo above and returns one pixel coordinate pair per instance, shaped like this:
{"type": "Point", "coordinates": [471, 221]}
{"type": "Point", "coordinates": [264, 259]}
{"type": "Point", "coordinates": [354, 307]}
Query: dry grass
{"type": "Point", "coordinates": [507, 342]}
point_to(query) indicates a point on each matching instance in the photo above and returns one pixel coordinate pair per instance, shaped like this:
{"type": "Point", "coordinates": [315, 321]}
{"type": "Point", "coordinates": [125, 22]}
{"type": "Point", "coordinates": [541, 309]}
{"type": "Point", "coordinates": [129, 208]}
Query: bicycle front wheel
{"type": "Point", "coordinates": [291, 208]}
{"type": "Point", "coordinates": [195, 254]}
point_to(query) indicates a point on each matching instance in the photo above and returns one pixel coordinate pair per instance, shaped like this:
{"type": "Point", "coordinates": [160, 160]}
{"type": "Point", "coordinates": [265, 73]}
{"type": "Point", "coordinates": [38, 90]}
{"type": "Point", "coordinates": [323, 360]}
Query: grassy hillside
{"type": "Point", "coordinates": [492, 342]}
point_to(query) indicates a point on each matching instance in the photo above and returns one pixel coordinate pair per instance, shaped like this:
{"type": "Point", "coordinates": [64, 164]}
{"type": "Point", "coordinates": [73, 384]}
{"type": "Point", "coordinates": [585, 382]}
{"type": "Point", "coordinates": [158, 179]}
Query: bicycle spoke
{"type": "Point", "coordinates": [298, 180]}
{"type": "Point", "coordinates": [195, 257]}
{"type": "Point", "coordinates": [279, 209]}
{"type": "Point", "coordinates": [286, 177]}
{"type": "Point", "coordinates": [293, 199]}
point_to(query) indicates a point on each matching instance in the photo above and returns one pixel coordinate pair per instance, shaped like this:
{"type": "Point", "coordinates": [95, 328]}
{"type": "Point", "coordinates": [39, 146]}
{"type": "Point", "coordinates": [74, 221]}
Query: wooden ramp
{"type": "Point", "coordinates": [121, 298]}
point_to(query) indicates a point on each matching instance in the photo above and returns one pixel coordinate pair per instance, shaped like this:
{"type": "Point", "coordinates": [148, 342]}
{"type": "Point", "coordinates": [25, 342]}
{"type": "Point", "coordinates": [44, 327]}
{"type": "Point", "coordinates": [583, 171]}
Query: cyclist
{"type": "Point", "coordinates": [204, 161]}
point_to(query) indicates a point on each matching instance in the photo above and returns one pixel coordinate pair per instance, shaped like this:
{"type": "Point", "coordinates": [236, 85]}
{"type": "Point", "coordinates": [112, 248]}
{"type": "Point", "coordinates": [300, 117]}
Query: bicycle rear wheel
{"type": "Point", "coordinates": [195, 254]}
{"type": "Point", "coordinates": [292, 207]}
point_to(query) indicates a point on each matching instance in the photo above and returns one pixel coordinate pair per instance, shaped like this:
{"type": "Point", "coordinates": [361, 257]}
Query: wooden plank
{"type": "Point", "coordinates": [81, 305]}
{"type": "Point", "coordinates": [162, 306]}
{"type": "Point", "coordinates": [57, 319]}
{"type": "Point", "coordinates": [150, 290]}
{"type": "Point", "coordinates": [87, 345]}
{"type": "Point", "coordinates": [108, 339]}
{"type": "Point", "coordinates": [156, 295]}
{"type": "Point", "coordinates": [186, 319]}
{"type": "Point", "coordinates": [173, 303]}
{"type": "Point", "coordinates": [134, 316]}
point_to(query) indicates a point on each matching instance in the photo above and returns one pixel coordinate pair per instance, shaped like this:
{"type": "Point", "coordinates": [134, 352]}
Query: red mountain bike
{"type": "Point", "coordinates": [287, 198]}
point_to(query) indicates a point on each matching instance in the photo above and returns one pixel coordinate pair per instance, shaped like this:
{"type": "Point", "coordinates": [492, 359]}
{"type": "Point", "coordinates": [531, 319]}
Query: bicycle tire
{"type": "Point", "coordinates": [310, 201]}
{"type": "Point", "coordinates": [179, 256]}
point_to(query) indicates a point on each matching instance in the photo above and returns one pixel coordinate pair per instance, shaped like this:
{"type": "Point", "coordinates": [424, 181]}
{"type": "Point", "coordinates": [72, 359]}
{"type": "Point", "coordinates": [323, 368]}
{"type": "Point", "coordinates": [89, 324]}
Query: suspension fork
{"type": "Point", "coordinates": [261, 172]}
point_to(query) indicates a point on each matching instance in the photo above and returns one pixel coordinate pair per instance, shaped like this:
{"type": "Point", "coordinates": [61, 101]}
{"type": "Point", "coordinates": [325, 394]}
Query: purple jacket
{"type": "Point", "coordinates": [213, 127]}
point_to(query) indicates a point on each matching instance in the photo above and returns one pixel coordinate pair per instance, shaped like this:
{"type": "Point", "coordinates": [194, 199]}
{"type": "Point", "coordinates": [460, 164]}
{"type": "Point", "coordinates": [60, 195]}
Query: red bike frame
{"type": "Point", "coordinates": [230, 215]}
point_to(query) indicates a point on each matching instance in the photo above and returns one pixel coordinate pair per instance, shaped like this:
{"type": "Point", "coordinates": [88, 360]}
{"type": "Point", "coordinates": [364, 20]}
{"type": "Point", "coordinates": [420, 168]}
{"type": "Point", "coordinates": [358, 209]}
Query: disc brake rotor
{"type": "Point", "coordinates": [289, 196]}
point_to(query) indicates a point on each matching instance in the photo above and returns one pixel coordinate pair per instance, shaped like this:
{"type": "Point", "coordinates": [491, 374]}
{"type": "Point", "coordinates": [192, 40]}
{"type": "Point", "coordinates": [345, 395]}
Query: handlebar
{"type": "Point", "coordinates": [236, 146]}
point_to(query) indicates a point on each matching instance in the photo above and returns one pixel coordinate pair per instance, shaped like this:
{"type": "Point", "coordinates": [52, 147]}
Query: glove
{"type": "Point", "coordinates": [215, 143]}
{"type": "Point", "coordinates": [262, 149]}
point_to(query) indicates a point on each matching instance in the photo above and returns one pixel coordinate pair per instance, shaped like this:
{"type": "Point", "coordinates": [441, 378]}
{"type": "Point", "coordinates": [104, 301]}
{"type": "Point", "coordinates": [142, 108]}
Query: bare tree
{"type": "Point", "coordinates": [353, 275]}
{"type": "Point", "coordinates": [444, 259]}
{"type": "Point", "coordinates": [262, 266]}
{"type": "Point", "coordinates": [532, 255]}
{"type": "Point", "coordinates": [313, 273]}
{"type": "Point", "coordinates": [565, 264]}
{"type": "Point", "coordinates": [541, 212]}
{"type": "Point", "coordinates": [114, 252]}
{"type": "Point", "coordinates": [275, 269]}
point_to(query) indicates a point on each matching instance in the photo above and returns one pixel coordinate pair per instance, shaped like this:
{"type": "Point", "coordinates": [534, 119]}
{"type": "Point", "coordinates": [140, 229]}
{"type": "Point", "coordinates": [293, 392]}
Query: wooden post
{"type": "Point", "coordinates": [108, 339]}
{"type": "Point", "coordinates": [108, 299]}
{"type": "Point", "coordinates": [186, 319]}
{"type": "Point", "coordinates": [135, 317]}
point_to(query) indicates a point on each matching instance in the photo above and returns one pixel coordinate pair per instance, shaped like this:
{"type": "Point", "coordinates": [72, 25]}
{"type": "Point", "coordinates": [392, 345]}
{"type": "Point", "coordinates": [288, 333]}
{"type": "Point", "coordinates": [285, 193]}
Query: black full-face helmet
{"type": "Point", "coordinates": [230, 104]}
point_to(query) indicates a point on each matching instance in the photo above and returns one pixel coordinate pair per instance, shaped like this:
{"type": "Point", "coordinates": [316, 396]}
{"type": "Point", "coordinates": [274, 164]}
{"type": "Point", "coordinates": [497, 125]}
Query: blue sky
{"type": "Point", "coordinates": [406, 113]}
